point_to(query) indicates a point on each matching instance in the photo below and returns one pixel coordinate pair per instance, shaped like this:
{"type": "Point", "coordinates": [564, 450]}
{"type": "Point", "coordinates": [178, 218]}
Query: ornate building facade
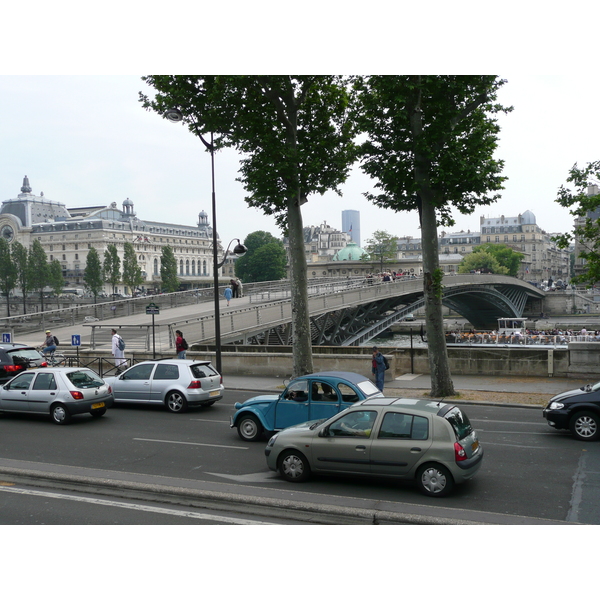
{"type": "Point", "coordinates": [67, 234]}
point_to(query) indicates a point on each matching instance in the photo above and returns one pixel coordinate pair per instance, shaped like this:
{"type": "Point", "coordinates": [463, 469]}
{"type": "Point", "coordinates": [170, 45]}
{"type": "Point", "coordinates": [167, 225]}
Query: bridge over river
{"type": "Point", "coordinates": [349, 312]}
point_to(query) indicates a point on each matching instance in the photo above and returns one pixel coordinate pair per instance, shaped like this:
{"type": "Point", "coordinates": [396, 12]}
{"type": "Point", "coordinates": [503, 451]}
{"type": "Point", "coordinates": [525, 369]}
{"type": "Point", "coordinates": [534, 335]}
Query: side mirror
{"type": "Point", "coordinates": [324, 432]}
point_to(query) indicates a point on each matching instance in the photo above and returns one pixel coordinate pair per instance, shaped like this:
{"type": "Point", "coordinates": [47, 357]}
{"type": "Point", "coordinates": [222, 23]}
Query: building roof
{"type": "Point", "coordinates": [351, 252]}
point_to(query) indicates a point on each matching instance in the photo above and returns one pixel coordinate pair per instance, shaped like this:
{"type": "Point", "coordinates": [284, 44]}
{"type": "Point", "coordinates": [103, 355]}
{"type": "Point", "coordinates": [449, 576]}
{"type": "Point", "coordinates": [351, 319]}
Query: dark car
{"type": "Point", "coordinates": [577, 411]}
{"type": "Point", "coordinates": [16, 358]}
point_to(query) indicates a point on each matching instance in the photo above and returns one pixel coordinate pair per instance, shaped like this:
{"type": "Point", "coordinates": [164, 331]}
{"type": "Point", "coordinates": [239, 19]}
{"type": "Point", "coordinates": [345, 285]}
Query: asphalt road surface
{"type": "Point", "coordinates": [529, 469]}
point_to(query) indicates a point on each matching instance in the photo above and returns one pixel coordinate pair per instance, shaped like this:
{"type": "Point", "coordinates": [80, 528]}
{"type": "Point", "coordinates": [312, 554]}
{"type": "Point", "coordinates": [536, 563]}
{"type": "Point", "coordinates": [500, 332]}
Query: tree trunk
{"type": "Point", "coordinates": [441, 381]}
{"type": "Point", "coordinates": [302, 343]}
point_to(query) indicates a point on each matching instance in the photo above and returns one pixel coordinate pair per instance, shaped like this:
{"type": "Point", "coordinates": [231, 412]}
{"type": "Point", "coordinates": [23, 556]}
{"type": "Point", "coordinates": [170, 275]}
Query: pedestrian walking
{"type": "Point", "coordinates": [234, 288]}
{"type": "Point", "coordinates": [118, 350]}
{"type": "Point", "coordinates": [240, 287]}
{"type": "Point", "coordinates": [378, 368]}
{"type": "Point", "coordinates": [228, 294]}
{"type": "Point", "coordinates": [180, 345]}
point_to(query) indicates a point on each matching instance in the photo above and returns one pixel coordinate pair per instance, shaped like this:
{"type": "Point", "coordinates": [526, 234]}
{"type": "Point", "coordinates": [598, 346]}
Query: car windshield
{"type": "Point", "coordinates": [85, 379]}
{"type": "Point", "coordinates": [459, 421]}
{"type": "Point", "coordinates": [369, 388]}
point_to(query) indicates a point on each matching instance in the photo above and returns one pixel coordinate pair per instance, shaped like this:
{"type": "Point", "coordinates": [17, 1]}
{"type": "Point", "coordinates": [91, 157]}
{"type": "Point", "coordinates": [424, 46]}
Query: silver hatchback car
{"type": "Point", "coordinates": [429, 442]}
{"type": "Point", "coordinates": [174, 383]}
{"type": "Point", "coordinates": [60, 392]}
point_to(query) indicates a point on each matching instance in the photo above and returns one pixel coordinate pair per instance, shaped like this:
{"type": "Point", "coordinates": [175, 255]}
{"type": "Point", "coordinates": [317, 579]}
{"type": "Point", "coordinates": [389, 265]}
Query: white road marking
{"type": "Point", "coordinates": [140, 507]}
{"type": "Point", "coordinates": [210, 421]}
{"type": "Point", "coordinates": [190, 443]}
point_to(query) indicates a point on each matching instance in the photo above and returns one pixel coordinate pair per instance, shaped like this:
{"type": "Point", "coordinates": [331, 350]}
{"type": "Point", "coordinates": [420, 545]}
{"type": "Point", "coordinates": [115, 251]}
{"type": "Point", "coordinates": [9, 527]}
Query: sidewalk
{"type": "Point", "coordinates": [530, 385]}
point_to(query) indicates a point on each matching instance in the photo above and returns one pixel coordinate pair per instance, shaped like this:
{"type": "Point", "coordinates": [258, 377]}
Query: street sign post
{"type": "Point", "coordinates": [6, 338]}
{"type": "Point", "coordinates": [153, 309]}
{"type": "Point", "coordinates": [76, 341]}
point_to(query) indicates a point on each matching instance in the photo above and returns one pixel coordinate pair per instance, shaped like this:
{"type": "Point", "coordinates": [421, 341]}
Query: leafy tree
{"type": "Point", "coordinates": [38, 265]}
{"type": "Point", "coordinates": [481, 261]}
{"type": "Point", "coordinates": [296, 136]}
{"type": "Point", "coordinates": [504, 255]}
{"type": "Point", "coordinates": [92, 275]}
{"type": "Point", "coordinates": [585, 209]}
{"type": "Point", "coordinates": [21, 259]}
{"type": "Point", "coordinates": [112, 267]}
{"type": "Point", "coordinates": [168, 270]}
{"type": "Point", "coordinates": [55, 277]}
{"type": "Point", "coordinates": [8, 272]}
{"type": "Point", "coordinates": [265, 259]}
{"type": "Point", "coordinates": [430, 147]}
{"type": "Point", "coordinates": [132, 272]}
{"type": "Point", "coordinates": [382, 247]}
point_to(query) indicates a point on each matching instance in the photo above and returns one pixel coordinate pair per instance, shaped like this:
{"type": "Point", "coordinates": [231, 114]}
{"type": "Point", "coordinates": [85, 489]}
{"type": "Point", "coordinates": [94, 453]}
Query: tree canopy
{"type": "Point", "coordinates": [132, 272]}
{"type": "Point", "coordinates": [383, 246]}
{"type": "Point", "coordinates": [430, 147]}
{"type": "Point", "coordinates": [583, 202]}
{"type": "Point", "coordinates": [296, 137]}
{"type": "Point", "coordinates": [112, 267]}
{"type": "Point", "coordinates": [506, 261]}
{"type": "Point", "coordinates": [265, 259]}
{"type": "Point", "coordinates": [92, 275]}
{"type": "Point", "coordinates": [168, 270]}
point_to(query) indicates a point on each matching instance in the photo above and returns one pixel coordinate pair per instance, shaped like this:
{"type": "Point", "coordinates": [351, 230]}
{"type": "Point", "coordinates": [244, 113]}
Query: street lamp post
{"type": "Point", "coordinates": [174, 115]}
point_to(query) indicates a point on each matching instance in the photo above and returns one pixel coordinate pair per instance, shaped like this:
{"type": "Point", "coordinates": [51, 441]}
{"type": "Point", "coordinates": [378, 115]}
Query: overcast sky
{"type": "Point", "coordinates": [86, 140]}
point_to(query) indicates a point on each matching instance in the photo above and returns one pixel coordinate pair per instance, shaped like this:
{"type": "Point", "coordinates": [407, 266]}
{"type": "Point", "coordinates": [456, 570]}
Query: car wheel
{"type": "Point", "coordinates": [250, 429]}
{"type": "Point", "coordinates": [585, 426]}
{"type": "Point", "coordinates": [434, 480]}
{"type": "Point", "coordinates": [60, 414]}
{"type": "Point", "coordinates": [176, 402]}
{"type": "Point", "coordinates": [98, 412]}
{"type": "Point", "coordinates": [293, 466]}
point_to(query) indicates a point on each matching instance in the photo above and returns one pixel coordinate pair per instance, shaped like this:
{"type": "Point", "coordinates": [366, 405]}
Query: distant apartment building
{"type": "Point", "coordinates": [321, 242]}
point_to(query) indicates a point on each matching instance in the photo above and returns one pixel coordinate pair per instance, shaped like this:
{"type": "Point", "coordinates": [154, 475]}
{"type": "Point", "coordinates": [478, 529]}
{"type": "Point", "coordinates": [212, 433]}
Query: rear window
{"type": "Point", "coordinates": [85, 379]}
{"type": "Point", "coordinates": [459, 421]}
{"type": "Point", "coordinates": [368, 388]}
{"type": "Point", "coordinates": [24, 355]}
{"type": "Point", "coordinates": [200, 371]}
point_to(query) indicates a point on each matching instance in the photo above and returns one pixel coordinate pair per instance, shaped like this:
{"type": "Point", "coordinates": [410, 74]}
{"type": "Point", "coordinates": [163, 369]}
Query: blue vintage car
{"type": "Point", "coordinates": [306, 398]}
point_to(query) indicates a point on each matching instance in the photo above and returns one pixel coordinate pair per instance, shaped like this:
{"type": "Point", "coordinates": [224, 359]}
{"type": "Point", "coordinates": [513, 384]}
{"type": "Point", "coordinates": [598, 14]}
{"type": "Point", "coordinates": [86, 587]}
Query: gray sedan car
{"type": "Point", "coordinates": [174, 383]}
{"type": "Point", "coordinates": [431, 443]}
{"type": "Point", "coordinates": [60, 392]}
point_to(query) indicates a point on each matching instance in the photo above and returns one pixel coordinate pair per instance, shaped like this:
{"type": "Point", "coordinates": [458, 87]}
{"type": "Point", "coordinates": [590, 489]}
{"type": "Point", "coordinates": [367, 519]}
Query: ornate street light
{"type": "Point", "coordinates": [174, 115]}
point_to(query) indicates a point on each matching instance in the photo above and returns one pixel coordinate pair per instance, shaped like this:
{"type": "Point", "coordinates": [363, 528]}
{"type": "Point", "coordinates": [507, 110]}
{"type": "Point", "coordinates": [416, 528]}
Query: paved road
{"type": "Point", "coordinates": [531, 473]}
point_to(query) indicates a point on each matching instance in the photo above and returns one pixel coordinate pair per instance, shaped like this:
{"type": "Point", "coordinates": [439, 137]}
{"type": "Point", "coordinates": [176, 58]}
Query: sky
{"type": "Point", "coordinates": [70, 120]}
{"type": "Point", "coordinates": [86, 140]}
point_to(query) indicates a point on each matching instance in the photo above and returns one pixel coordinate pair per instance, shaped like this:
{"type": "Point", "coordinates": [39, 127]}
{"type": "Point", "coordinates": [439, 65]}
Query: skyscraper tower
{"type": "Point", "coordinates": [351, 224]}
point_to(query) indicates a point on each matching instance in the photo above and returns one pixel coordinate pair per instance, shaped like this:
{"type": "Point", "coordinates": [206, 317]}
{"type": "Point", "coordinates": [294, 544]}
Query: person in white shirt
{"type": "Point", "coordinates": [119, 354]}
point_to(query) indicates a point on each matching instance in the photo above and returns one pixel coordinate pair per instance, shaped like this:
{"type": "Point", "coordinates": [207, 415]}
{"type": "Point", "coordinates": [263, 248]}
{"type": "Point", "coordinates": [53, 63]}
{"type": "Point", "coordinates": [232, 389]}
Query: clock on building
{"type": "Point", "coordinates": [7, 233]}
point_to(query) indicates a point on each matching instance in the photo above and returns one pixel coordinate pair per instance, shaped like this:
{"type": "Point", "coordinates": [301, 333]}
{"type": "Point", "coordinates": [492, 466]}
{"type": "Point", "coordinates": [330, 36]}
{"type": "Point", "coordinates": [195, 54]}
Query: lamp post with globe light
{"type": "Point", "coordinates": [174, 115]}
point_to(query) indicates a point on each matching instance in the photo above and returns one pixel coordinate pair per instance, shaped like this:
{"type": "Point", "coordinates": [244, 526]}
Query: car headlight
{"type": "Point", "coordinates": [556, 406]}
{"type": "Point", "coordinates": [272, 440]}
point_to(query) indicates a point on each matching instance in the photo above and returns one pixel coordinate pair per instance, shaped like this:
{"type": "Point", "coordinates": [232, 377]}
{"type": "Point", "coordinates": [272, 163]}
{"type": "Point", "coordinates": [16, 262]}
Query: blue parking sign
{"type": "Point", "coordinates": [6, 338]}
{"type": "Point", "coordinates": [75, 340]}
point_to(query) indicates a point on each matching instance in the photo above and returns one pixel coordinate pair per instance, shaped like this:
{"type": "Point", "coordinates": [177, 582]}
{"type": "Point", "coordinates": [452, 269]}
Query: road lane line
{"type": "Point", "coordinates": [210, 421]}
{"type": "Point", "coordinates": [190, 443]}
{"type": "Point", "coordinates": [140, 507]}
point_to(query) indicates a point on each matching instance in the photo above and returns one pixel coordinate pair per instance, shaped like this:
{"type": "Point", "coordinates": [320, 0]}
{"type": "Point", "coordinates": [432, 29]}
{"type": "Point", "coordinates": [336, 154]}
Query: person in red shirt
{"type": "Point", "coordinates": [179, 344]}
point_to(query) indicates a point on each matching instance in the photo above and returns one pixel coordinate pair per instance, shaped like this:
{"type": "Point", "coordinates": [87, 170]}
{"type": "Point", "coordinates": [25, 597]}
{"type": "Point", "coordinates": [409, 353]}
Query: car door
{"type": "Point", "coordinates": [134, 384]}
{"type": "Point", "coordinates": [292, 406]}
{"type": "Point", "coordinates": [324, 401]}
{"type": "Point", "coordinates": [165, 378]}
{"type": "Point", "coordinates": [15, 394]}
{"type": "Point", "coordinates": [400, 442]}
{"type": "Point", "coordinates": [345, 446]}
{"type": "Point", "coordinates": [42, 393]}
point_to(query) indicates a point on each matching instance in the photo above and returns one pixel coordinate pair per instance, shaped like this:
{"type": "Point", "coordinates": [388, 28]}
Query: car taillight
{"type": "Point", "coordinates": [77, 395]}
{"type": "Point", "coordinates": [109, 390]}
{"type": "Point", "coordinates": [195, 385]}
{"type": "Point", "coordinates": [44, 364]}
{"type": "Point", "coordinates": [13, 368]}
{"type": "Point", "coordinates": [459, 452]}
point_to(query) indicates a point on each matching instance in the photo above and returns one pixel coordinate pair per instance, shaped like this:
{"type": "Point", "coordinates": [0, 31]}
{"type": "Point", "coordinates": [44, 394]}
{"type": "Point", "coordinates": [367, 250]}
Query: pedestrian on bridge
{"type": "Point", "coordinates": [228, 294]}
{"type": "Point", "coordinates": [378, 368]}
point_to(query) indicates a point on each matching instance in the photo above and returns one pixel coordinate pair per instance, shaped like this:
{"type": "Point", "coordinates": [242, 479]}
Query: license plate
{"type": "Point", "coordinates": [475, 445]}
{"type": "Point", "coordinates": [215, 393]}
{"type": "Point", "coordinates": [98, 405]}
